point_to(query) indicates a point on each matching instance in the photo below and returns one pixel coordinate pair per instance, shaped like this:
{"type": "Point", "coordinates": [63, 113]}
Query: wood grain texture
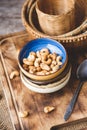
{"type": "Point", "coordinates": [24, 99]}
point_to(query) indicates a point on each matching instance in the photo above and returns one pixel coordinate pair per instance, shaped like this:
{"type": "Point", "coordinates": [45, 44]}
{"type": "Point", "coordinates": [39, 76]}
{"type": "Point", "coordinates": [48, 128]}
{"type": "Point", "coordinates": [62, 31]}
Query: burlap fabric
{"type": "Point", "coordinates": [5, 119]}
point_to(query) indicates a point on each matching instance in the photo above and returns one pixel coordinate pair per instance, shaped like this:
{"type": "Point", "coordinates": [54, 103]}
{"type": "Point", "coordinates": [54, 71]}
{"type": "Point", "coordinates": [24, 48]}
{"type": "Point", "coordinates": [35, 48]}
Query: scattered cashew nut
{"type": "Point", "coordinates": [14, 74]}
{"type": "Point", "coordinates": [48, 109]}
{"type": "Point", "coordinates": [23, 114]}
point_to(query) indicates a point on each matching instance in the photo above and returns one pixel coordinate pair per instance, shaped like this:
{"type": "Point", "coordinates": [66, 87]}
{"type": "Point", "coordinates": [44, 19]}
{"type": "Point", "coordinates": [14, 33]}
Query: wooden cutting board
{"type": "Point", "coordinates": [20, 98]}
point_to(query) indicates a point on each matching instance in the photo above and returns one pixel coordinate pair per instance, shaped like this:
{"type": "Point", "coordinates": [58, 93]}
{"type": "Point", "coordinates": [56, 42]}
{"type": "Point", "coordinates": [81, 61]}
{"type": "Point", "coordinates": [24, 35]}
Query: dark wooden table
{"type": "Point", "coordinates": [10, 16]}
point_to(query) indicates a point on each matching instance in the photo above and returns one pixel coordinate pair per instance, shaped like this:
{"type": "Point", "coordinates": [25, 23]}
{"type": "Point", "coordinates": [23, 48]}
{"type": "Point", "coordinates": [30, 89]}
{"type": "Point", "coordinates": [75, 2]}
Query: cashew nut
{"type": "Point", "coordinates": [25, 67]}
{"type": "Point", "coordinates": [14, 74]}
{"type": "Point", "coordinates": [27, 62]}
{"type": "Point", "coordinates": [43, 57]}
{"type": "Point", "coordinates": [52, 56]}
{"type": "Point", "coordinates": [38, 54]}
{"type": "Point", "coordinates": [44, 66]}
{"type": "Point", "coordinates": [38, 69]}
{"type": "Point", "coordinates": [60, 63]}
{"type": "Point", "coordinates": [55, 68]}
{"type": "Point", "coordinates": [52, 65]}
{"type": "Point", "coordinates": [48, 62]}
{"type": "Point", "coordinates": [32, 69]}
{"type": "Point", "coordinates": [37, 62]}
{"type": "Point", "coordinates": [58, 58]}
{"type": "Point", "coordinates": [44, 51]}
{"type": "Point", "coordinates": [31, 58]}
{"type": "Point", "coordinates": [32, 53]}
{"type": "Point", "coordinates": [41, 73]}
{"type": "Point", "coordinates": [23, 114]}
{"type": "Point", "coordinates": [48, 109]}
{"type": "Point", "coordinates": [54, 62]}
{"type": "Point", "coordinates": [47, 73]}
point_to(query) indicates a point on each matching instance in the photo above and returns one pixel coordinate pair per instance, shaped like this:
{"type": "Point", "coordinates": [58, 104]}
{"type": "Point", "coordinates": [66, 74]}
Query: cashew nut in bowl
{"type": "Point", "coordinates": [41, 73]}
{"type": "Point", "coordinates": [48, 72]}
{"type": "Point", "coordinates": [32, 69]}
{"type": "Point", "coordinates": [45, 66]}
{"type": "Point", "coordinates": [26, 67]}
{"type": "Point", "coordinates": [58, 58]}
{"type": "Point", "coordinates": [37, 62]}
{"type": "Point", "coordinates": [38, 54]}
{"type": "Point", "coordinates": [32, 53]}
{"type": "Point", "coordinates": [31, 58]}
{"type": "Point", "coordinates": [52, 65]}
{"type": "Point", "coordinates": [44, 57]}
{"type": "Point", "coordinates": [52, 56]}
{"type": "Point", "coordinates": [55, 68]}
{"type": "Point", "coordinates": [44, 51]}
{"type": "Point", "coordinates": [27, 62]}
{"type": "Point", "coordinates": [60, 63]}
{"type": "Point", "coordinates": [48, 61]}
{"type": "Point", "coordinates": [54, 62]}
{"type": "Point", "coordinates": [38, 69]}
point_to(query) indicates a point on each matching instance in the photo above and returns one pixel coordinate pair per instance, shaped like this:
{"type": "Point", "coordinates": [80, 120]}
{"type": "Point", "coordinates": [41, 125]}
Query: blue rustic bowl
{"type": "Point", "coordinates": [38, 44]}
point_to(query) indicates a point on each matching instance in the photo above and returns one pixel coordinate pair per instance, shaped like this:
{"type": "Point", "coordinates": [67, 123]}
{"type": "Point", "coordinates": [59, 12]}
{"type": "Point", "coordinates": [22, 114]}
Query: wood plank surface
{"type": "Point", "coordinates": [24, 99]}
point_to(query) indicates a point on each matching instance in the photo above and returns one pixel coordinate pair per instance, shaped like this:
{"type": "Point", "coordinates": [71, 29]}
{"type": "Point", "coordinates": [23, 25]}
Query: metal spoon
{"type": "Point", "coordinates": [82, 76]}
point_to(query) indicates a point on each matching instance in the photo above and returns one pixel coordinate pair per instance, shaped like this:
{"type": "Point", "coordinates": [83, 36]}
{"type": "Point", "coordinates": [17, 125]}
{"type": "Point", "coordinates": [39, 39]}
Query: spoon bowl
{"type": "Point", "coordinates": [82, 71]}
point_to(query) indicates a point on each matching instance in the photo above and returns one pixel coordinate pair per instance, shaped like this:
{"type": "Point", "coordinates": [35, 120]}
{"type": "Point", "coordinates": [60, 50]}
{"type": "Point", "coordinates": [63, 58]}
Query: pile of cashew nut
{"type": "Point", "coordinates": [42, 62]}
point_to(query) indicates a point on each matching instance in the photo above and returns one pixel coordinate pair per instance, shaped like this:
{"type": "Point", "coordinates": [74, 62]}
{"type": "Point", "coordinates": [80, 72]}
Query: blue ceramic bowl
{"type": "Point", "coordinates": [38, 44]}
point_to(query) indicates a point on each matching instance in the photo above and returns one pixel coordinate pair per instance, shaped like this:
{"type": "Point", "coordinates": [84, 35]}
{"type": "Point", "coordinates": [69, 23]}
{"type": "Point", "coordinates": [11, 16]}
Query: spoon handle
{"type": "Point", "coordinates": [73, 101]}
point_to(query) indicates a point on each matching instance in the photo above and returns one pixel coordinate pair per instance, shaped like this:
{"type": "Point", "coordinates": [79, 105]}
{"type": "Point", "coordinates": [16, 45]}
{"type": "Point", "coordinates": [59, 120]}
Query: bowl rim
{"type": "Point", "coordinates": [45, 77]}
